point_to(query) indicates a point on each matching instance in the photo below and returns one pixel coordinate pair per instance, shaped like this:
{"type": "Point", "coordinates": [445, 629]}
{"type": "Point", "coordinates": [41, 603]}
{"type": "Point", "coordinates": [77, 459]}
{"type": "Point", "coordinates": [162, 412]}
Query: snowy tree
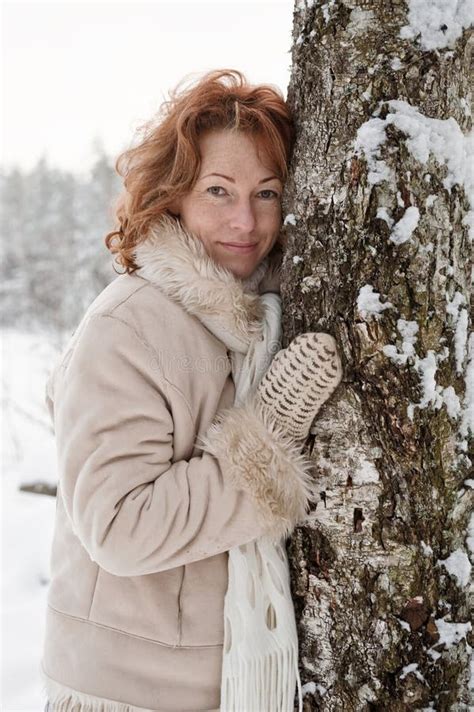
{"type": "Point", "coordinates": [95, 202]}
{"type": "Point", "coordinates": [13, 286]}
{"type": "Point", "coordinates": [380, 219]}
{"type": "Point", "coordinates": [48, 235]}
{"type": "Point", "coordinates": [54, 259]}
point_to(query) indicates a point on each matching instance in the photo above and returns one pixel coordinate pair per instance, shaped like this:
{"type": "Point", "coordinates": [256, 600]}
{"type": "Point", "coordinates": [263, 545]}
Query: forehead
{"type": "Point", "coordinates": [224, 148]}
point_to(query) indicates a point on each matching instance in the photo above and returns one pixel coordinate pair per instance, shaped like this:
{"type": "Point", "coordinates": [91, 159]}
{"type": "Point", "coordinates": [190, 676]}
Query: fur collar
{"type": "Point", "coordinates": [177, 262]}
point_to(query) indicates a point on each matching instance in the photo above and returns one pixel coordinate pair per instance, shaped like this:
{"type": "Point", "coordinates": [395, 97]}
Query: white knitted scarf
{"type": "Point", "coordinates": [260, 654]}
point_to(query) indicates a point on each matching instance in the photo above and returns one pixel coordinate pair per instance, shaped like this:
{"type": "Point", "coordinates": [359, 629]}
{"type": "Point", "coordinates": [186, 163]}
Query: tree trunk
{"type": "Point", "coordinates": [379, 254]}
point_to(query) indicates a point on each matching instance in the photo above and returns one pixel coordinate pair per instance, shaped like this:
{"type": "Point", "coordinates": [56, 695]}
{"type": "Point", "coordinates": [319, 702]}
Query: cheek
{"type": "Point", "coordinates": [206, 222]}
{"type": "Point", "coordinates": [197, 213]}
{"type": "Point", "coordinates": [203, 208]}
{"type": "Point", "coordinates": [270, 218]}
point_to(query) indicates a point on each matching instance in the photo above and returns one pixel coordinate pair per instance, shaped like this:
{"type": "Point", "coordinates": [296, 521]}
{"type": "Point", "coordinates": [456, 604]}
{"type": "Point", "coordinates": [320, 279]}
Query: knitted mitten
{"type": "Point", "coordinates": [259, 442]}
{"type": "Point", "coordinates": [300, 379]}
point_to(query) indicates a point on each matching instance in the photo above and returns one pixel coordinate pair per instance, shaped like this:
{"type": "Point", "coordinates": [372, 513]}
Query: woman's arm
{"type": "Point", "coordinates": [135, 511]}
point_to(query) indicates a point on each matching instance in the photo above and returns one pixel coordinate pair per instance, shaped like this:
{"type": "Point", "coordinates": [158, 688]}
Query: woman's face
{"type": "Point", "coordinates": [235, 205]}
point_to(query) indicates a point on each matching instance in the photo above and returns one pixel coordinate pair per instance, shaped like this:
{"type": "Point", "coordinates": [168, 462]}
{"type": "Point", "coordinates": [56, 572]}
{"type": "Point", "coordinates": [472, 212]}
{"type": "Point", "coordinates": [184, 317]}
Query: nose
{"type": "Point", "coordinates": [242, 217]}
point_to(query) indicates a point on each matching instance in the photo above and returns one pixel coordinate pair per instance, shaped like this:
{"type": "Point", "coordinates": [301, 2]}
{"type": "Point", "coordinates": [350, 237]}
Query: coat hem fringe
{"type": "Point", "coordinates": [62, 698]}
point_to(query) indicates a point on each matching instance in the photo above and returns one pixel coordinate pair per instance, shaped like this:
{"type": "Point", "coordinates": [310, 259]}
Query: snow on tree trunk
{"type": "Point", "coordinates": [379, 255]}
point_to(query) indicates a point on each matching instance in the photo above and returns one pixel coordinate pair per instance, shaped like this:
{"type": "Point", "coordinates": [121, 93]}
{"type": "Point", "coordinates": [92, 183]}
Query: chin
{"type": "Point", "coordinates": [242, 272]}
{"type": "Point", "coordinates": [239, 267]}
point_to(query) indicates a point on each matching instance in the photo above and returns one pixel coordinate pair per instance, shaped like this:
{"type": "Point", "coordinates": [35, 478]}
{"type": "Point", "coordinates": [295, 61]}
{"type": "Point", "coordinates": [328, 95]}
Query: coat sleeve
{"type": "Point", "coordinates": [134, 509]}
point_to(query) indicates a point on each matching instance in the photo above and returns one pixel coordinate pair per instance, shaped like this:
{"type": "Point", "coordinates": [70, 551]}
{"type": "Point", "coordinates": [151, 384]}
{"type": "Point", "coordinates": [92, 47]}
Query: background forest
{"type": "Point", "coordinates": [54, 260]}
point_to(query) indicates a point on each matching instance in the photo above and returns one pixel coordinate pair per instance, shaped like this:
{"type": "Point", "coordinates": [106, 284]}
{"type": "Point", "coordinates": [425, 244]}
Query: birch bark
{"type": "Point", "coordinates": [379, 254]}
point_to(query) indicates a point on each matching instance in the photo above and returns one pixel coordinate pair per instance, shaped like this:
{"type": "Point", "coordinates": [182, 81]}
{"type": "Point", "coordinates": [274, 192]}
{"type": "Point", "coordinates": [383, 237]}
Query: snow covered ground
{"type": "Point", "coordinates": [27, 454]}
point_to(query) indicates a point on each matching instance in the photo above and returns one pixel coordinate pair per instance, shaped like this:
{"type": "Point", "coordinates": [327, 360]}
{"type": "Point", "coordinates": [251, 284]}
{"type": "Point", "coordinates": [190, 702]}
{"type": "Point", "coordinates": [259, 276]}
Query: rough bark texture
{"type": "Point", "coordinates": [390, 458]}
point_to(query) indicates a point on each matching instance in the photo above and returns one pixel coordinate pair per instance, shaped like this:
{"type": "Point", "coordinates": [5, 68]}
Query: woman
{"type": "Point", "coordinates": [179, 435]}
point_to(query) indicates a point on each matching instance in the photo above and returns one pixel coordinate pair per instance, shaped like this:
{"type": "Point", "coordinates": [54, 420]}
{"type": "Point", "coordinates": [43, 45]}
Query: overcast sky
{"type": "Point", "coordinates": [75, 72]}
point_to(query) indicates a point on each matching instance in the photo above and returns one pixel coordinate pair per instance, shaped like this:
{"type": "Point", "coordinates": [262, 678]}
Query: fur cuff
{"type": "Point", "coordinates": [261, 459]}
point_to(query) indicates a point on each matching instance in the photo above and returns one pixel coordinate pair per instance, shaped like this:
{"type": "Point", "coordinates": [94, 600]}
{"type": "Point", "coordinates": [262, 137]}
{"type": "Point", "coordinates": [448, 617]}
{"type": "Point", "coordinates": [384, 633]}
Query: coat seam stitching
{"type": "Point", "coordinates": [93, 592]}
{"type": "Point", "coordinates": [145, 343]}
{"type": "Point", "coordinates": [180, 612]}
{"type": "Point", "coordinates": [138, 288]}
{"type": "Point", "coordinates": [131, 635]}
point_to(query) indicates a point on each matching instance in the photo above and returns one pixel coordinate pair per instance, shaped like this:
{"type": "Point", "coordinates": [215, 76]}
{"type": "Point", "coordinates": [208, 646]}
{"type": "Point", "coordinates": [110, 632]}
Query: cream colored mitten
{"type": "Point", "coordinates": [300, 379]}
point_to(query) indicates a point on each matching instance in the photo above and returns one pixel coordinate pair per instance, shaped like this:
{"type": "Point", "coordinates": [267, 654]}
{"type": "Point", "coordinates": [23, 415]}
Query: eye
{"type": "Point", "coordinates": [269, 194]}
{"type": "Point", "coordinates": [214, 190]}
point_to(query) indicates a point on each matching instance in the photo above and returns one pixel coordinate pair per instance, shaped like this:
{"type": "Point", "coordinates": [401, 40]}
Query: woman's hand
{"type": "Point", "coordinates": [259, 443]}
{"type": "Point", "coordinates": [300, 379]}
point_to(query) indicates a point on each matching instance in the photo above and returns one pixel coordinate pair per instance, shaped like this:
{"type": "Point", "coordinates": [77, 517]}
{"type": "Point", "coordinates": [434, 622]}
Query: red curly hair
{"type": "Point", "coordinates": [165, 164]}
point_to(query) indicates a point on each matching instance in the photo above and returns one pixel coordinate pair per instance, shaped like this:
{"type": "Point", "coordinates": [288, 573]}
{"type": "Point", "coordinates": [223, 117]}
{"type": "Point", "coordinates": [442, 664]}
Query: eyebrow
{"type": "Point", "coordinates": [221, 175]}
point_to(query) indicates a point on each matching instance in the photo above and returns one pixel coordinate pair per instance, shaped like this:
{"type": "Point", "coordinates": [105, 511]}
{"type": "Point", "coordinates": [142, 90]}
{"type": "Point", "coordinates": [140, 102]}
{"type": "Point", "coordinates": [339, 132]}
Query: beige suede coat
{"type": "Point", "coordinates": [144, 517]}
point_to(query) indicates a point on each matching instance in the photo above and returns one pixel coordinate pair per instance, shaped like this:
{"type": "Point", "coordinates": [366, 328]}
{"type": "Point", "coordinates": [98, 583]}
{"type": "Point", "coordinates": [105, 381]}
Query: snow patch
{"type": "Point", "coordinates": [431, 392]}
{"type": "Point", "coordinates": [370, 136]}
{"type": "Point", "coordinates": [404, 624]}
{"type": "Point", "coordinates": [412, 667]}
{"type": "Point", "coordinates": [458, 565]}
{"type": "Point", "coordinates": [459, 321]}
{"type": "Point", "coordinates": [427, 550]}
{"type": "Point", "coordinates": [408, 331]}
{"type": "Point", "coordinates": [326, 9]}
{"type": "Point", "coordinates": [310, 688]}
{"type": "Point", "coordinates": [452, 402]}
{"type": "Point", "coordinates": [441, 138]}
{"type": "Point", "coordinates": [405, 227]}
{"type": "Point", "coordinates": [383, 214]}
{"type": "Point", "coordinates": [426, 368]}
{"type": "Point", "coordinates": [433, 653]}
{"type": "Point", "coordinates": [304, 4]}
{"type": "Point", "coordinates": [451, 633]}
{"type": "Point", "coordinates": [437, 23]}
{"type": "Point", "coordinates": [369, 304]}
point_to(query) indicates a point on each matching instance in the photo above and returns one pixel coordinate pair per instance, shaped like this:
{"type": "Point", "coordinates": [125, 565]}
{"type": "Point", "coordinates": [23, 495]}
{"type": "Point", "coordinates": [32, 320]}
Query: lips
{"type": "Point", "coordinates": [239, 247]}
